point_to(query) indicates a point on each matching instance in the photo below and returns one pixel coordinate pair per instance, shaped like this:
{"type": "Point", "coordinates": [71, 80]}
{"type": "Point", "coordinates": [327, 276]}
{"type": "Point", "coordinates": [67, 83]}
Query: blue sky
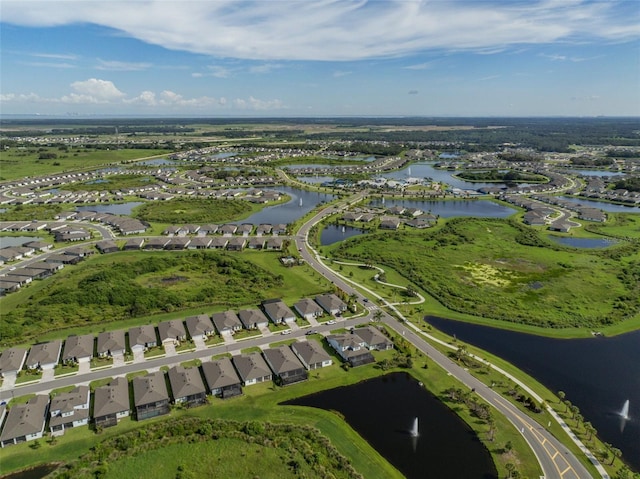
{"type": "Point", "coordinates": [320, 57]}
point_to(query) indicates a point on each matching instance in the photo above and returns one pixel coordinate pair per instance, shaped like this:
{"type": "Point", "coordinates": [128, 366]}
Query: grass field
{"type": "Point", "coordinates": [19, 162]}
{"type": "Point", "coordinates": [99, 293]}
{"type": "Point", "coordinates": [494, 269]}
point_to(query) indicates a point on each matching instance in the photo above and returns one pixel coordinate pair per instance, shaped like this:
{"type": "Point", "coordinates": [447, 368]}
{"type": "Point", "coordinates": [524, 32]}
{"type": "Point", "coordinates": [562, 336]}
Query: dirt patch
{"type": "Point", "coordinates": [173, 279]}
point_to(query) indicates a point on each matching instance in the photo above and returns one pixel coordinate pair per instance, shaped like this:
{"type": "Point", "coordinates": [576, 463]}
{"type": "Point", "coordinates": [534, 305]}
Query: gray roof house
{"type": "Point", "coordinates": [44, 355]}
{"type": "Point", "coordinates": [311, 354]}
{"type": "Point", "coordinates": [308, 309]}
{"type": "Point", "coordinates": [111, 343]}
{"type": "Point", "coordinates": [78, 349]}
{"type": "Point", "coordinates": [200, 326]}
{"type": "Point", "coordinates": [285, 365]}
{"type": "Point", "coordinates": [222, 378]}
{"type": "Point", "coordinates": [69, 410]}
{"type": "Point", "coordinates": [172, 330]}
{"type": "Point", "coordinates": [111, 403]}
{"type": "Point", "coordinates": [227, 322]}
{"type": "Point", "coordinates": [142, 337]}
{"type": "Point", "coordinates": [351, 348]}
{"type": "Point", "coordinates": [278, 312]}
{"type": "Point", "coordinates": [374, 339]}
{"type": "Point", "coordinates": [253, 318]}
{"type": "Point", "coordinates": [251, 368]}
{"type": "Point", "coordinates": [150, 396]}
{"type": "Point", "coordinates": [331, 303]}
{"type": "Point", "coordinates": [187, 386]}
{"type": "Point", "coordinates": [25, 422]}
{"type": "Point", "coordinates": [11, 361]}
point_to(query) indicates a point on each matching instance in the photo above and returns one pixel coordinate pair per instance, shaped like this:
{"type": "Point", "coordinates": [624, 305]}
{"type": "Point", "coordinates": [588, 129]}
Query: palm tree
{"type": "Point", "coordinates": [561, 395]}
{"type": "Point", "coordinates": [615, 452]}
{"type": "Point", "coordinates": [510, 468]}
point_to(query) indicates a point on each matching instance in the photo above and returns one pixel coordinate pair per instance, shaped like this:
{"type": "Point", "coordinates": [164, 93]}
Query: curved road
{"type": "Point", "coordinates": [554, 458]}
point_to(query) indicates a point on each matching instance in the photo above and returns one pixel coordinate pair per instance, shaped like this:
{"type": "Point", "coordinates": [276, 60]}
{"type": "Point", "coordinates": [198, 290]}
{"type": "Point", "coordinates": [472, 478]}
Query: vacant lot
{"type": "Point", "coordinates": [122, 286]}
{"type": "Point", "coordinates": [498, 269]}
{"type": "Point", "coordinates": [19, 162]}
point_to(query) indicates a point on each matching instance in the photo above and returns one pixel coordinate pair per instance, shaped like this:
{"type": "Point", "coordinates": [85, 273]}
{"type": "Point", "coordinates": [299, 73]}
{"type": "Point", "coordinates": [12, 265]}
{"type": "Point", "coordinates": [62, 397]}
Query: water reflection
{"type": "Point", "coordinates": [333, 233]}
{"type": "Point", "coordinates": [382, 410]}
{"type": "Point", "coordinates": [597, 374]}
{"type": "Point", "coordinates": [450, 208]}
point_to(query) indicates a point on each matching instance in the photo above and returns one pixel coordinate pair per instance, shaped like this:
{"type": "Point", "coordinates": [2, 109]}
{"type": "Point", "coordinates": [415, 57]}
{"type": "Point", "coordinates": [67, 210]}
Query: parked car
{"type": "Point", "coordinates": [311, 331]}
{"type": "Point", "coordinates": [286, 331]}
{"type": "Point", "coordinates": [331, 321]}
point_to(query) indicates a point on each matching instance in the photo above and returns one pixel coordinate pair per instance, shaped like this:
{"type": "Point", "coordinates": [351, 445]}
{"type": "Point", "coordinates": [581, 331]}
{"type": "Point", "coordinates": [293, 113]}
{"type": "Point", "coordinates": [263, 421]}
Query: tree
{"type": "Point", "coordinates": [615, 452]}
{"type": "Point", "coordinates": [561, 395]}
{"type": "Point", "coordinates": [510, 468]}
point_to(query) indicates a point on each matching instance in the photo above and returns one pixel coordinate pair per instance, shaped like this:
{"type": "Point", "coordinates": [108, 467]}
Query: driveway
{"type": "Point", "coordinates": [199, 343]}
{"type": "Point", "coordinates": [170, 348]}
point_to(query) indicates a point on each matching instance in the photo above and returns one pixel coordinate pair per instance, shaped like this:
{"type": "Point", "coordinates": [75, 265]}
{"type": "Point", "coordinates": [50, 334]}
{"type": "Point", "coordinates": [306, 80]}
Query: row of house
{"type": "Point", "coordinates": [154, 392]}
{"type": "Point", "coordinates": [19, 277]}
{"type": "Point", "coordinates": [81, 349]}
{"type": "Point", "coordinates": [177, 243]}
{"type": "Point", "coordinates": [228, 229]}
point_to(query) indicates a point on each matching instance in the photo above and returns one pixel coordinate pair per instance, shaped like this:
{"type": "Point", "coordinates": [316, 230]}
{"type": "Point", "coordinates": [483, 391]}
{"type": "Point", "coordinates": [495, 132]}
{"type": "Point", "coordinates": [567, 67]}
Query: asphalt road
{"type": "Point", "coordinates": [555, 459]}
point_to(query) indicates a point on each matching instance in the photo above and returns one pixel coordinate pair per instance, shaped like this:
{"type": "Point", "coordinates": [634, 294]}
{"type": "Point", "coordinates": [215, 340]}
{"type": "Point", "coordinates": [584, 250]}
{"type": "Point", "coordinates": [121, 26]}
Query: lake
{"type": "Point", "coordinates": [595, 172]}
{"type": "Point", "coordinates": [583, 242]}
{"type": "Point", "coordinates": [290, 211]}
{"type": "Point", "coordinates": [114, 209]}
{"type": "Point", "coordinates": [333, 233]}
{"type": "Point", "coordinates": [450, 208]}
{"type": "Point", "coordinates": [601, 205]}
{"type": "Point", "coordinates": [426, 170]}
{"type": "Point", "coordinates": [382, 411]}
{"type": "Point", "coordinates": [7, 241]}
{"type": "Point", "coordinates": [597, 374]}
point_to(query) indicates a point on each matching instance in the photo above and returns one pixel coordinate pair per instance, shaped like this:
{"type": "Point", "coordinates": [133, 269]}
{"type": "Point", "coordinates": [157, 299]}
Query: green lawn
{"type": "Point", "coordinates": [20, 162]}
{"type": "Point", "coordinates": [496, 270]}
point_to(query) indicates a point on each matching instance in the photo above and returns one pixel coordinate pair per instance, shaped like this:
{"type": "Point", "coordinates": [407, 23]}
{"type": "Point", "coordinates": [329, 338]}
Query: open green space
{"type": "Point", "coordinates": [498, 269]}
{"type": "Point", "coordinates": [197, 210]}
{"type": "Point", "coordinates": [130, 288]}
{"type": "Point", "coordinates": [510, 176]}
{"type": "Point", "coordinates": [25, 162]}
{"type": "Point", "coordinates": [113, 183]}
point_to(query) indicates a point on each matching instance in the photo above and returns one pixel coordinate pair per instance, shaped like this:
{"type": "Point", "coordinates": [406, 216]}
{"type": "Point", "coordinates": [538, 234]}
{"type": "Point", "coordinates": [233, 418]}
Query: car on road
{"type": "Point", "coordinates": [366, 300]}
{"type": "Point", "coordinates": [331, 321]}
{"type": "Point", "coordinates": [285, 332]}
{"type": "Point", "coordinates": [311, 331]}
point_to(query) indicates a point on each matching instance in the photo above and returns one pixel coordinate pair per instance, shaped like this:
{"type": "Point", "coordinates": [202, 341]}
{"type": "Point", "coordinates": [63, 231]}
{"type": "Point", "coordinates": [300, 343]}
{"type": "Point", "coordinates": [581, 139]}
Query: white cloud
{"type": "Point", "coordinates": [420, 66]}
{"type": "Point", "coordinates": [340, 73]}
{"type": "Point", "coordinates": [55, 56]}
{"type": "Point", "coordinates": [48, 64]}
{"type": "Point", "coordinates": [339, 29]}
{"type": "Point", "coordinates": [265, 68]}
{"type": "Point", "coordinates": [94, 92]}
{"type": "Point", "coordinates": [114, 65]}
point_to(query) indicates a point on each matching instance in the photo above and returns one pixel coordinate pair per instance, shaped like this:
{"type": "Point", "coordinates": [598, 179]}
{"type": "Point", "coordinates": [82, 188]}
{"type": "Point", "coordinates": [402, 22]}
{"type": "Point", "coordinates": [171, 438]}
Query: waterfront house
{"type": "Point", "coordinates": [251, 368]}
{"type": "Point", "coordinates": [285, 365]}
{"type": "Point", "coordinates": [311, 354]}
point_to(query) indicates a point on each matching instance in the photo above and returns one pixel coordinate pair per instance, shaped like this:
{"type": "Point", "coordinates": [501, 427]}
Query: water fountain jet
{"type": "Point", "coordinates": [624, 412]}
{"type": "Point", "coordinates": [413, 432]}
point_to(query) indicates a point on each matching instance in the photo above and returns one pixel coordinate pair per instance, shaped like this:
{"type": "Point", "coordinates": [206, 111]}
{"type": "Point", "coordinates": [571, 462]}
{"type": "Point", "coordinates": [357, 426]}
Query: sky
{"type": "Point", "coordinates": [285, 58]}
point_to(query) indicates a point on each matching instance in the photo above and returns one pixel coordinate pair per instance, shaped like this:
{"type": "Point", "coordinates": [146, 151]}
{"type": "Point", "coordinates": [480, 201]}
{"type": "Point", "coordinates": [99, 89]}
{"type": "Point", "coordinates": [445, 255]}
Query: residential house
{"type": "Point", "coordinates": [389, 223]}
{"type": "Point", "coordinates": [374, 339]}
{"type": "Point", "coordinates": [311, 354]}
{"type": "Point", "coordinates": [78, 349]}
{"type": "Point", "coordinates": [278, 312]}
{"type": "Point", "coordinates": [133, 244]}
{"type": "Point", "coordinates": [245, 229]}
{"type": "Point", "coordinates": [177, 243]}
{"type": "Point", "coordinates": [150, 396]}
{"type": "Point", "coordinates": [44, 355]}
{"type": "Point", "coordinates": [156, 243]}
{"type": "Point", "coordinates": [69, 410]}
{"type": "Point", "coordinates": [228, 229]}
{"type": "Point", "coordinates": [111, 343]}
{"type": "Point", "coordinates": [279, 229]}
{"type": "Point", "coordinates": [11, 362]}
{"type": "Point", "coordinates": [285, 365]}
{"type": "Point", "coordinates": [253, 319]}
{"type": "Point", "coordinates": [274, 244]}
{"type": "Point", "coordinates": [200, 242]}
{"type": "Point", "coordinates": [331, 304]}
{"type": "Point", "coordinates": [251, 368]}
{"type": "Point", "coordinates": [222, 378]}
{"type": "Point", "coordinates": [111, 403]}
{"type": "Point", "coordinates": [107, 246]}
{"type": "Point", "coordinates": [308, 309]}
{"type": "Point", "coordinates": [142, 338]}
{"type": "Point", "coordinates": [256, 242]}
{"type": "Point", "coordinates": [25, 422]}
{"type": "Point", "coordinates": [236, 243]}
{"type": "Point", "coordinates": [227, 323]}
{"type": "Point", "coordinates": [351, 348]}
{"type": "Point", "coordinates": [187, 386]}
{"type": "Point", "coordinates": [200, 326]}
{"type": "Point", "coordinates": [172, 330]}
{"type": "Point", "coordinates": [219, 243]}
